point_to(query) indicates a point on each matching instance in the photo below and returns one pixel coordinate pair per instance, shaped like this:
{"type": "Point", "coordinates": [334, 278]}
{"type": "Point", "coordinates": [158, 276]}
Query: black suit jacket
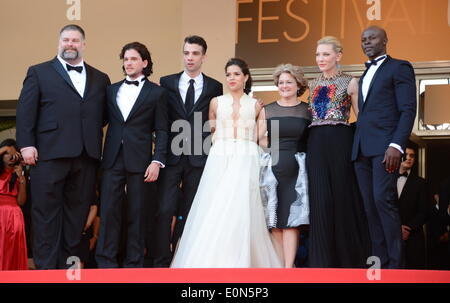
{"type": "Point", "coordinates": [388, 113]}
{"type": "Point", "coordinates": [54, 118]}
{"type": "Point", "coordinates": [444, 201]}
{"type": "Point", "coordinates": [148, 115]}
{"type": "Point", "coordinates": [185, 139]}
{"type": "Point", "coordinates": [414, 203]}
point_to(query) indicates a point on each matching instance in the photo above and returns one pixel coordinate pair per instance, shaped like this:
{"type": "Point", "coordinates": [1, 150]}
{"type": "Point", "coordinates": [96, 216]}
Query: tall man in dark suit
{"type": "Point", "coordinates": [387, 108]}
{"type": "Point", "coordinates": [190, 93]}
{"type": "Point", "coordinates": [59, 131]}
{"type": "Point", "coordinates": [136, 109]}
{"type": "Point", "coordinates": [414, 205]}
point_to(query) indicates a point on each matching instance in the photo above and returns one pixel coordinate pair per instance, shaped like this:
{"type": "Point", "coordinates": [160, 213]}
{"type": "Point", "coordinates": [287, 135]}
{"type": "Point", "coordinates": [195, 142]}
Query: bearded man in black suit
{"type": "Point", "coordinates": [59, 131]}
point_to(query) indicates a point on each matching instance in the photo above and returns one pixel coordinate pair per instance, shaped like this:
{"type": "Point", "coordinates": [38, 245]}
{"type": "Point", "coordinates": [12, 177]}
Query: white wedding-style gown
{"type": "Point", "coordinates": [226, 227]}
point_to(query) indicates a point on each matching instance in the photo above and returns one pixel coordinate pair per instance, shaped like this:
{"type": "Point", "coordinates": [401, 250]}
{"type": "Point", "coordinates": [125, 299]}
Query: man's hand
{"type": "Point", "coordinates": [152, 172]}
{"type": "Point", "coordinates": [406, 231]}
{"type": "Point", "coordinates": [30, 155]}
{"type": "Point", "coordinates": [392, 159]}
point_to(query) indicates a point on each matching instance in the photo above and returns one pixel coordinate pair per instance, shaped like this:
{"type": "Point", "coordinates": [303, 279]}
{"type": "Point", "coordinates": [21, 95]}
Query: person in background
{"type": "Point", "coordinates": [413, 201]}
{"type": "Point", "coordinates": [13, 246]}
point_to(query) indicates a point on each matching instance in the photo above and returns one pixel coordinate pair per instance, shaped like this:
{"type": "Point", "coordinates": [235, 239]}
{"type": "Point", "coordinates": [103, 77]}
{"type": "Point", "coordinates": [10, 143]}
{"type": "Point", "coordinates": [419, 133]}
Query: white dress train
{"type": "Point", "coordinates": [226, 227]}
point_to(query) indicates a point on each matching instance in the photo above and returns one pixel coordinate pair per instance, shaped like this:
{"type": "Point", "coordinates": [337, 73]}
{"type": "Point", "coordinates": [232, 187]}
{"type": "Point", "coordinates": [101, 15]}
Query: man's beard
{"type": "Point", "coordinates": [69, 54]}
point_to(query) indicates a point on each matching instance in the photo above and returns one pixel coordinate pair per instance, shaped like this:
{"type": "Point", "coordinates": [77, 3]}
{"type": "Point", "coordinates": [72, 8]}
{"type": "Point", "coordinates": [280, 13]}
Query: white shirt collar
{"type": "Point", "coordinates": [140, 78]}
{"type": "Point", "coordinates": [381, 61]}
{"type": "Point", "coordinates": [185, 78]}
{"type": "Point", "coordinates": [64, 62]}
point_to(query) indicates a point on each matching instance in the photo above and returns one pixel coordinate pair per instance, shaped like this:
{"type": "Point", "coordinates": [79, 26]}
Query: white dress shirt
{"type": "Point", "coordinates": [366, 84]}
{"type": "Point", "coordinates": [183, 86]}
{"type": "Point", "coordinates": [78, 79]}
{"type": "Point", "coordinates": [127, 96]}
{"type": "Point", "coordinates": [401, 181]}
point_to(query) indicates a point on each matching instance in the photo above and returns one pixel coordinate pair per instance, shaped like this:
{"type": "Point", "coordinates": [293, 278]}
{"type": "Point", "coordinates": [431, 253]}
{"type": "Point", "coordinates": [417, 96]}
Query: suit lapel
{"type": "Point", "coordinates": [180, 103]}
{"type": "Point", "coordinates": [375, 76]}
{"type": "Point", "coordinates": [89, 80]}
{"type": "Point", "coordinates": [406, 187]}
{"type": "Point", "coordinates": [360, 95]}
{"type": "Point", "coordinates": [115, 90]}
{"type": "Point", "coordinates": [141, 98]}
{"type": "Point", "coordinates": [61, 70]}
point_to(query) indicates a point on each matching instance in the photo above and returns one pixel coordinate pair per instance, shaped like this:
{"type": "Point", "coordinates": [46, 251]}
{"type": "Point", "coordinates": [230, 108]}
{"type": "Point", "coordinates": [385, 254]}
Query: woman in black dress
{"type": "Point", "coordinates": [338, 228]}
{"type": "Point", "coordinates": [285, 122]}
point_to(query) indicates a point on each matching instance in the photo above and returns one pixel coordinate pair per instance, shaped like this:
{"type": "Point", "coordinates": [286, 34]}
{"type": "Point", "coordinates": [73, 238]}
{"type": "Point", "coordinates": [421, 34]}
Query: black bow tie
{"type": "Point", "coordinates": [135, 82]}
{"type": "Point", "coordinates": [78, 69]}
{"type": "Point", "coordinates": [405, 174]}
{"type": "Point", "coordinates": [373, 62]}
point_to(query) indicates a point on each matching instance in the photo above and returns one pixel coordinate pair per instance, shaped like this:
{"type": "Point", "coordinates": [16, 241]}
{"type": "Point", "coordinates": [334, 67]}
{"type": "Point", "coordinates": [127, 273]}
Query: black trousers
{"type": "Point", "coordinates": [338, 231]}
{"type": "Point", "coordinates": [119, 184]}
{"type": "Point", "coordinates": [62, 191]}
{"type": "Point", "coordinates": [170, 204]}
{"type": "Point", "coordinates": [379, 191]}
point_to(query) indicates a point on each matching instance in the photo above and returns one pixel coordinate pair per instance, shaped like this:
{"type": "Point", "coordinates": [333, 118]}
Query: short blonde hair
{"type": "Point", "coordinates": [337, 46]}
{"type": "Point", "coordinates": [294, 71]}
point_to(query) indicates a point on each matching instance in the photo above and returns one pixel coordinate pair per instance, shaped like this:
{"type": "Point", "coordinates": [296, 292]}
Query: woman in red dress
{"type": "Point", "coordinates": [13, 247]}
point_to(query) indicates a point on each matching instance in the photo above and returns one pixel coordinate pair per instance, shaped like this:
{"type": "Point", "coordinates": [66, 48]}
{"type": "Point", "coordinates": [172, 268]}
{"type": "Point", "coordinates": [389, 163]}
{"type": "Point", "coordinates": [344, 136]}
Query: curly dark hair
{"type": "Point", "coordinates": [244, 67]}
{"type": "Point", "coordinates": [145, 55]}
{"type": "Point", "coordinates": [8, 142]}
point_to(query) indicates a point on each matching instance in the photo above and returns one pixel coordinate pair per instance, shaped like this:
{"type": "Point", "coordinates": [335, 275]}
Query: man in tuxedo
{"type": "Point", "coordinates": [136, 108]}
{"type": "Point", "coordinates": [387, 108]}
{"type": "Point", "coordinates": [414, 205]}
{"type": "Point", "coordinates": [190, 93]}
{"type": "Point", "coordinates": [59, 131]}
{"type": "Point", "coordinates": [444, 221]}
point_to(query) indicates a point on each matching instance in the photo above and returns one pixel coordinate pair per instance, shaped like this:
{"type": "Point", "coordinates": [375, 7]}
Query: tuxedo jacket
{"type": "Point", "coordinates": [135, 134]}
{"type": "Point", "coordinates": [388, 112]}
{"type": "Point", "coordinates": [414, 203]}
{"type": "Point", "coordinates": [444, 201]}
{"type": "Point", "coordinates": [54, 118]}
{"type": "Point", "coordinates": [185, 140]}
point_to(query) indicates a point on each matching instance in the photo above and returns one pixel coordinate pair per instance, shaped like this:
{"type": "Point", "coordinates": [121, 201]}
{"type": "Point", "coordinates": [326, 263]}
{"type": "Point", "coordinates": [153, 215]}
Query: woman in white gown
{"type": "Point", "coordinates": [226, 227]}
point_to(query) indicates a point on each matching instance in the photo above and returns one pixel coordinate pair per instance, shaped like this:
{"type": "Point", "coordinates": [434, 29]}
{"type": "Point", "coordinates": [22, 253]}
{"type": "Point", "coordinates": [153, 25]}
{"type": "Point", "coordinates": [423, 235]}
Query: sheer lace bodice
{"type": "Point", "coordinates": [235, 124]}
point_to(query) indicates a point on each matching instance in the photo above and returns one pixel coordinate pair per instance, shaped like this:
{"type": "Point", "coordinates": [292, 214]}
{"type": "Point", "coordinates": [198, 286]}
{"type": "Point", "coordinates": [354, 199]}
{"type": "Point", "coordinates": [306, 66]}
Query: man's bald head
{"type": "Point", "coordinates": [373, 41]}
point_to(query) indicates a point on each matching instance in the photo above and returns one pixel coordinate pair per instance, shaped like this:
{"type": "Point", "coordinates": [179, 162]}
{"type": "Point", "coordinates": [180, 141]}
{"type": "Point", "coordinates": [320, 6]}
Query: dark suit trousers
{"type": "Point", "coordinates": [379, 191]}
{"type": "Point", "coordinates": [415, 250]}
{"type": "Point", "coordinates": [169, 182]}
{"type": "Point", "coordinates": [62, 192]}
{"type": "Point", "coordinates": [116, 183]}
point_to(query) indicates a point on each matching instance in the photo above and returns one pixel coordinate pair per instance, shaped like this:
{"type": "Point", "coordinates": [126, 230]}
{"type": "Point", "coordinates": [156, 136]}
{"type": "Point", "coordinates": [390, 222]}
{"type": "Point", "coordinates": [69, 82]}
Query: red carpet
{"type": "Point", "coordinates": [162, 275]}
